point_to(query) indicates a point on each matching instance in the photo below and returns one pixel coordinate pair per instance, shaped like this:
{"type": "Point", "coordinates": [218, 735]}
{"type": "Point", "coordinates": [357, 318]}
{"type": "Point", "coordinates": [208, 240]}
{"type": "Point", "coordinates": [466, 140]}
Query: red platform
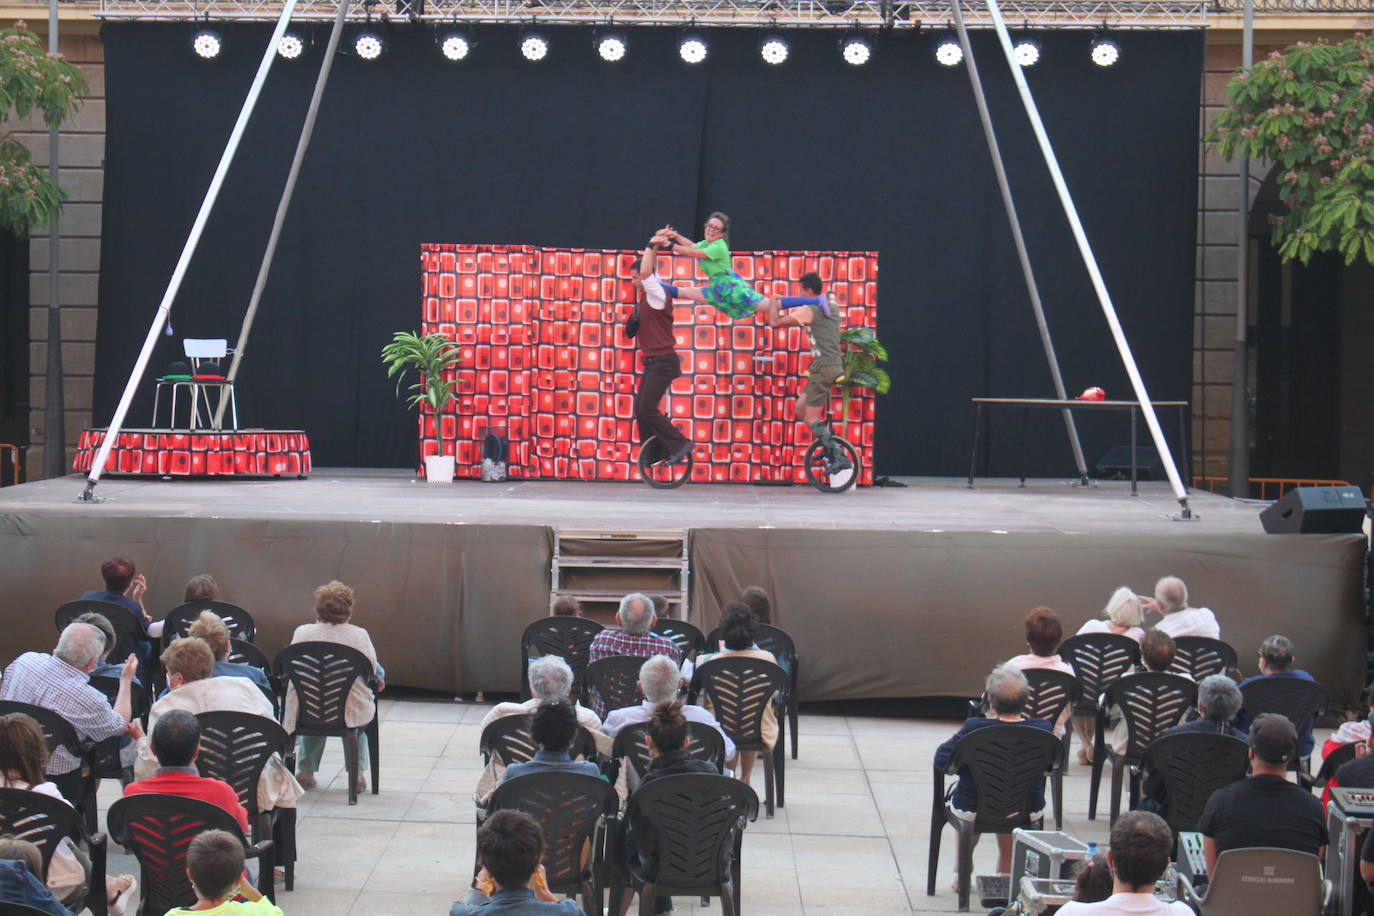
{"type": "Point", "coordinates": [545, 362]}
{"type": "Point", "coordinates": [171, 453]}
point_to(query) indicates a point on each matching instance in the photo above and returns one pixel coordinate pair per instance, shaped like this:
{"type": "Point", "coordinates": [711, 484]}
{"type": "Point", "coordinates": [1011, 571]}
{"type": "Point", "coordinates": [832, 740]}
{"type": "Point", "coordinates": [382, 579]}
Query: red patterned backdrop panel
{"type": "Point", "coordinates": [546, 364]}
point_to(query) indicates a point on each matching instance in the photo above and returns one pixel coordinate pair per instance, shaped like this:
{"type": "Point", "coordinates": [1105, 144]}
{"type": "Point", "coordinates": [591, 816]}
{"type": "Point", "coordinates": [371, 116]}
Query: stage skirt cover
{"type": "Point", "coordinates": [235, 453]}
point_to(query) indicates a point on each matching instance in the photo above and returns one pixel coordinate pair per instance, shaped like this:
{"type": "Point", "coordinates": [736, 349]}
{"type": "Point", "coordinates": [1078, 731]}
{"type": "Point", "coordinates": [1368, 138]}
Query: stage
{"type": "Point", "coordinates": [889, 592]}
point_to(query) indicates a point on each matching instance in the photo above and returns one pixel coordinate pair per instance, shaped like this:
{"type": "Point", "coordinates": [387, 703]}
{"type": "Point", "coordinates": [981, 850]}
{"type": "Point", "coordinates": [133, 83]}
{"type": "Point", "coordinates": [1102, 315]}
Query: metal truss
{"type": "Point", "coordinates": [867, 14]}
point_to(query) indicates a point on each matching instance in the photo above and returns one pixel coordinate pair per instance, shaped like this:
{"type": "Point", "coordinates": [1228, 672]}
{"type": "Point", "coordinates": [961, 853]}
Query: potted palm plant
{"type": "Point", "coordinates": [431, 357]}
{"type": "Point", "coordinates": [861, 354]}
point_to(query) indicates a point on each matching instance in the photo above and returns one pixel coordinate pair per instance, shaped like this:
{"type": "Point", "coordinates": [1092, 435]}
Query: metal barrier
{"type": "Point", "coordinates": [1282, 484]}
{"type": "Point", "coordinates": [15, 453]}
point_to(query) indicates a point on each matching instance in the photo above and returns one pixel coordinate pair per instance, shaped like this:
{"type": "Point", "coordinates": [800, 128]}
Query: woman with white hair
{"type": "Point", "coordinates": [1124, 615]}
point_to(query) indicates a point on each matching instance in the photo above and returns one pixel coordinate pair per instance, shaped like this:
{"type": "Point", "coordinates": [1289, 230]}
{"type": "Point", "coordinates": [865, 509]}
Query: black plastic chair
{"type": "Point", "coordinates": [43, 821]}
{"type": "Point", "coordinates": [79, 785]}
{"type": "Point", "coordinates": [1051, 692]}
{"type": "Point", "coordinates": [740, 691]}
{"type": "Point", "coordinates": [234, 748]}
{"type": "Point", "coordinates": [1193, 766]}
{"type": "Point", "coordinates": [139, 702]}
{"type": "Point", "coordinates": [1297, 699]}
{"type": "Point", "coordinates": [1098, 660]}
{"type": "Point", "coordinates": [613, 683]}
{"type": "Point", "coordinates": [178, 621]}
{"type": "Point", "coordinates": [1200, 656]}
{"type": "Point", "coordinates": [705, 744]}
{"type": "Point", "coordinates": [128, 628]}
{"type": "Point", "coordinates": [784, 649]}
{"type": "Point", "coordinates": [1151, 703]}
{"type": "Point", "coordinates": [692, 827]}
{"type": "Point", "coordinates": [1008, 763]}
{"type": "Point", "coordinates": [572, 809]}
{"type": "Point", "coordinates": [245, 653]}
{"type": "Point", "coordinates": [508, 738]}
{"type": "Point", "coordinates": [570, 638]}
{"type": "Point", "coordinates": [683, 634]}
{"type": "Point", "coordinates": [158, 829]}
{"type": "Point", "coordinates": [1334, 761]}
{"type": "Point", "coordinates": [322, 674]}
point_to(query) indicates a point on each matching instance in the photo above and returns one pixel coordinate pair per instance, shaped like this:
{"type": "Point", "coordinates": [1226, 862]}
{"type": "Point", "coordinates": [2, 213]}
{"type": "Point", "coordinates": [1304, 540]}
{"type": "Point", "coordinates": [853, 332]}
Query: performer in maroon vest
{"type": "Point", "coordinates": [661, 365]}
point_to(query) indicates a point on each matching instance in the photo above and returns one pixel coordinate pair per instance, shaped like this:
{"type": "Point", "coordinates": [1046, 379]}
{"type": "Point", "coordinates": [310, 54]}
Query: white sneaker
{"type": "Point", "coordinates": [653, 291]}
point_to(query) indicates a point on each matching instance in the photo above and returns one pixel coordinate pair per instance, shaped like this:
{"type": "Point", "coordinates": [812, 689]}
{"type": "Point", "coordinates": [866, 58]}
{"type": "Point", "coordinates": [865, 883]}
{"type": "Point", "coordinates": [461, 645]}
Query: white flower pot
{"type": "Point", "coordinates": [439, 468]}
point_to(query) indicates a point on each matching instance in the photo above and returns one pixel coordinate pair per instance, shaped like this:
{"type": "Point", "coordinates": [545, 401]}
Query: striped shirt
{"type": "Point", "coordinates": [44, 680]}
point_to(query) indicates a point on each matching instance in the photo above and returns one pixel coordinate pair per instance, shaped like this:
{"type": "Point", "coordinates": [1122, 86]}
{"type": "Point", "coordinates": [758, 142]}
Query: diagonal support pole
{"type": "Point", "coordinates": [1090, 262]}
{"type": "Point", "coordinates": [178, 274]}
{"type": "Point", "coordinates": [1032, 289]}
{"type": "Point", "coordinates": [265, 267]}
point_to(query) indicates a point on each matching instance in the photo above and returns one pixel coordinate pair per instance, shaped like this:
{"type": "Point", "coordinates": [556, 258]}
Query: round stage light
{"type": "Point", "coordinates": [1105, 52]}
{"type": "Point", "coordinates": [611, 48]}
{"type": "Point", "coordinates": [290, 46]}
{"type": "Point", "coordinates": [856, 50]}
{"type": "Point", "coordinates": [773, 50]}
{"type": "Point", "coordinates": [534, 47]}
{"type": "Point", "coordinates": [692, 50]}
{"type": "Point", "coordinates": [455, 47]}
{"type": "Point", "coordinates": [1027, 52]}
{"type": "Point", "coordinates": [207, 44]}
{"type": "Point", "coordinates": [368, 46]}
{"type": "Point", "coordinates": [949, 53]}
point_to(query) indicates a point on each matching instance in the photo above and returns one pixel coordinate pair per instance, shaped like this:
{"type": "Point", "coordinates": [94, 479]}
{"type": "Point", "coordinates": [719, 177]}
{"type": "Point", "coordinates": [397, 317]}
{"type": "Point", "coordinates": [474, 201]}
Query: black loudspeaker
{"type": "Point", "coordinates": [1116, 464]}
{"type": "Point", "coordinates": [1316, 510]}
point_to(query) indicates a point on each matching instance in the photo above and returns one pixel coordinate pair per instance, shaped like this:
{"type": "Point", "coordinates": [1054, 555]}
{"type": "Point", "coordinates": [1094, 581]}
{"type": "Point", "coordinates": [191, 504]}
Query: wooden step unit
{"type": "Point", "coordinates": [599, 567]}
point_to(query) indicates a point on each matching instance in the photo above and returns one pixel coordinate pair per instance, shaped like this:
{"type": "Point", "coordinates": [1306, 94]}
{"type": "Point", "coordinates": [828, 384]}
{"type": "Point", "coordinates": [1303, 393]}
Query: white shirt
{"type": "Point", "coordinates": [617, 719]}
{"type": "Point", "coordinates": [1099, 625]}
{"type": "Point", "coordinates": [1127, 905]}
{"type": "Point", "coordinates": [1191, 621]}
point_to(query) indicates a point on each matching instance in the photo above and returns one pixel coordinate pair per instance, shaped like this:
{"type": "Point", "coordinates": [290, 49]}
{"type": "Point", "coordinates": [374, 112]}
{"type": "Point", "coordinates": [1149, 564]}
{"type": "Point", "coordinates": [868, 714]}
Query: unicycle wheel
{"type": "Point", "coordinates": [657, 472]}
{"type": "Point", "coordinates": [817, 464]}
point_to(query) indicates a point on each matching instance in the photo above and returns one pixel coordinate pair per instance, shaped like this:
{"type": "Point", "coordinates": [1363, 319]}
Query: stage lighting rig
{"type": "Point", "coordinates": [611, 47]}
{"type": "Point", "coordinates": [1027, 52]}
{"type": "Point", "coordinates": [773, 50]}
{"type": "Point", "coordinates": [207, 44]}
{"type": "Point", "coordinates": [949, 52]}
{"type": "Point", "coordinates": [856, 49]}
{"type": "Point", "coordinates": [692, 49]}
{"type": "Point", "coordinates": [290, 46]}
{"type": "Point", "coordinates": [455, 47]}
{"type": "Point", "coordinates": [1105, 52]}
{"type": "Point", "coordinates": [535, 47]}
{"type": "Point", "coordinates": [368, 45]}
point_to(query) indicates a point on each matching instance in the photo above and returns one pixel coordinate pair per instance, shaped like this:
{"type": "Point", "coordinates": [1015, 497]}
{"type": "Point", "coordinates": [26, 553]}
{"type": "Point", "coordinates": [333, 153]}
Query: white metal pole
{"type": "Point", "coordinates": [174, 285]}
{"type": "Point", "coordinates": [1089, 261]}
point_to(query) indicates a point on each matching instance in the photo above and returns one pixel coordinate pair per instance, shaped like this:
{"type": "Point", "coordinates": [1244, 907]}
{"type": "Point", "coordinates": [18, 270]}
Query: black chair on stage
{"type": "Point", "coordinates": [740, 692]}
{"type": "Point", "coordinates": [704, 743]}
{"type": "Point", "coordinates": [1298, 700]}
{"type": "Point", "coordinates": [1098, 660]}
{"type": "Point", "coordinates": [1198, 657]}
{"type": "Point", "coordinates": [79, 785]}
{"type": "Point", "coordinates": [784, 649]}
{"type": "Point", "coordinates": [130, 634]}
{"type": "Point", "coordinates": [1151, 703]}
{"type": "Point", "coordinates": [570, 638]}
{"type": "Point", "coordinates": [158, 829]}
{"type": "Point", "coordinates": [1008, 764]}
{"type": "Point", "coordinates": [1193, 765]}
{"type": "Point", "coordinates": [573, 810]}
{"type": "Point", "coordinates": [44, 821]}
{"type": "Point", "coordinates": [691, 827]}
{"type": "Point", "coordinates": [234, 748]}
{"type": "Point", "coordinates": [684, 635]}
{"type": "Point", "coordinates": [613, 683]}
{"type": "Point", "coordinates": [178, 621]}
{"type": "Point", "coordinates": [322, 674]}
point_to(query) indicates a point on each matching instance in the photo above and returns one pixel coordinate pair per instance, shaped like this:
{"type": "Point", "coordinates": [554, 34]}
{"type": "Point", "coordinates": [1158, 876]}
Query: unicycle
{"type": "Point", "coordinates": [658, 473]}
{"type": "Point", "coordinates": [817, 466]}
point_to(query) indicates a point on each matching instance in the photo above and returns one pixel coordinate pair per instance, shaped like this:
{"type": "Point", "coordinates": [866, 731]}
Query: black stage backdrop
{"type": "Point", "coordinates": [811, 155]}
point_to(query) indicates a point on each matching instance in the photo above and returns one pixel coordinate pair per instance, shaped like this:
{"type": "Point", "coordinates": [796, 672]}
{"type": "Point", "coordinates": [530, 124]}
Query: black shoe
{"type": "Point", "coordinates": [681, 452]}
{"type": "Point", "coordinates": [837, 464]}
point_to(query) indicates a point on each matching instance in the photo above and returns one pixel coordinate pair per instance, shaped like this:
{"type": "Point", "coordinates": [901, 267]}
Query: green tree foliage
{"type": "Point", "coordinates": [1311, 111]}
{"type": "Point", "coordinates": [861, 353]}
{"type": "Point", "coordinates": [31, 80]}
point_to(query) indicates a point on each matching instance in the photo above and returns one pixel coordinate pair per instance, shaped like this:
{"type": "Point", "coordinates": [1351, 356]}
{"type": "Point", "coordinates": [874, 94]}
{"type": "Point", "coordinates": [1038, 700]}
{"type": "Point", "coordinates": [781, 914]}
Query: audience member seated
{"type": "Point", "coordinates": [1353, 774]}
{"type": "Point", "coordinates": [61, 682]}
{"type": "Point", "coordinates": [1276, 660]}
{"type": "Point", "coordinates": [23, 756]}
{"type": "Point", "coordinates": [214, 863]}
{"type": "Point", "coordinates": [667, 740]}
{"type": "Point", "coordinates": [1218, 701]}
{"type": "Point", "coordinates": [510, 845]}
{"type": "Point", "coordinates": [189, 663]}
{"type": "Point", "coordinates": [634, 638]}
{"type": "Point", "coordinates": [1124, 615]}
{"type": "Point", "coordinates": [567, 606]}
{"type": "Point", "coordinates": [1265, 809]}
{"type": "Point", "coordinates": [553, 728]}
{"type": "Point", "coordinates": [1157, 651]}
{"type": "Point", "coordinates": [550, 678]}
{"type": "Point", "coordinates": [758, 602]}
{"type": "Point", "coordinates": [1007, 691]}
{"type": "Point", "coordinates": [739, 633]}
{"type": "Point", "coordinates": [1171, 600]}
{"type": "Point", "coordinates": [1044, 632]}
{"type": "Point", "coordinates": [210, 627]}
{"type": "Point", "coordinates": [21, 864]}
{"type": "Point", "coordinates": [660, 681]}
{"type": "Point", "coordinates": [108, 666]}
{"type": "Point", "coordinates": [1141, 845]}
{"type": "Point", "coordinates": [201, 588]}
{"type": "Point", "coordinates": [126, 586]}
{"type": "Point", "coordinates": [333, 610]}
{"type": "Point", "coordinates": [176, 742]}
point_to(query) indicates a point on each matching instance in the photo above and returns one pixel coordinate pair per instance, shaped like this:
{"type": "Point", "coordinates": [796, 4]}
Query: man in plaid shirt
{"type": "Point", "coordinates": [636, 617]}
{"type": "Point", "coordinates": [60, 682]}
